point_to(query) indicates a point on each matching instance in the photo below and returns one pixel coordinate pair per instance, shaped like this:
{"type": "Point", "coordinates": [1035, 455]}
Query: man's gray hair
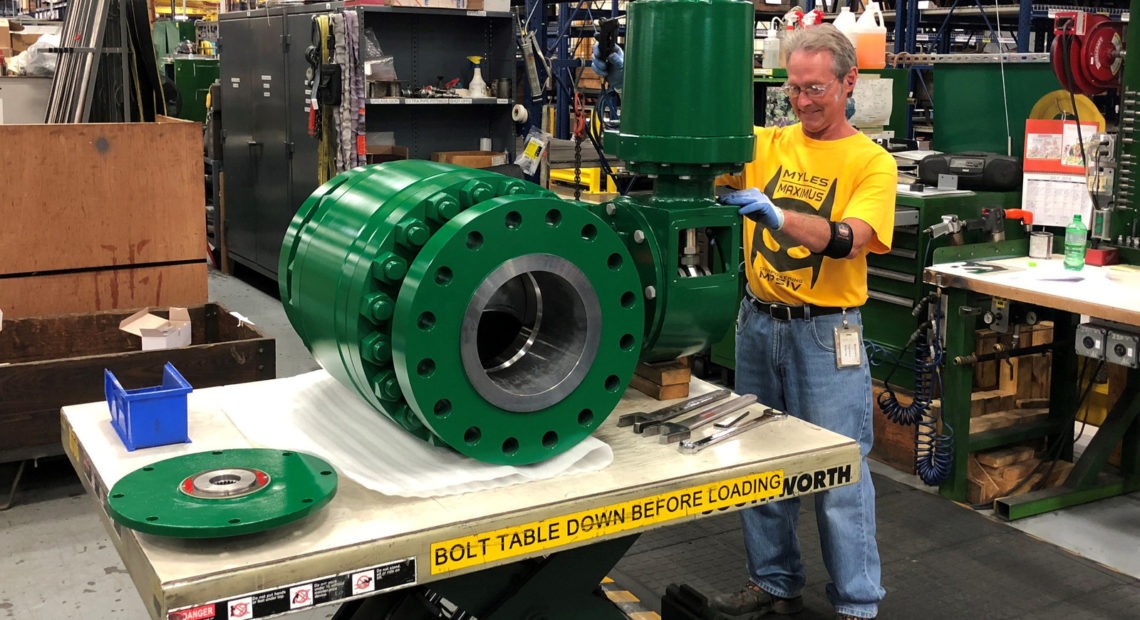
{"type": "Point", "coordinates": [824, 37]}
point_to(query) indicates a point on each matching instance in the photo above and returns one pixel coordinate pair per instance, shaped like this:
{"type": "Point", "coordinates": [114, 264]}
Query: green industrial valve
{"type": "Point", "coordinates": [686, 117]}
{"type": "Point", "coordinates": [485, 313]}
{"type": "Point", "coordinates": [474, 310]}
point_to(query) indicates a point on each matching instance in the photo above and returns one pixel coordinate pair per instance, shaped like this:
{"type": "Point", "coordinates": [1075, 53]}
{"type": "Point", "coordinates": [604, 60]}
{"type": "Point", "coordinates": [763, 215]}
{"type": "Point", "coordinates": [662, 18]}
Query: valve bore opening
{"type": "Point", "coordinates": [531, 332]}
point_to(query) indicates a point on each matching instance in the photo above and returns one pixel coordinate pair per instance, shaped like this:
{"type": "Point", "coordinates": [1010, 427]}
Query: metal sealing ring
{"type": "Point", "coordinates": [558, 331]}
{"type": "Point", "coordinates": [224, 483]}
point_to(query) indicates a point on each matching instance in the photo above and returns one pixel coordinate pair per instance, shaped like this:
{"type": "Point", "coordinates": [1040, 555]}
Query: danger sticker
{"type": "Point", "coordinates": [277, 601]}
{"type": "Point", "coordinates": [201, 612]}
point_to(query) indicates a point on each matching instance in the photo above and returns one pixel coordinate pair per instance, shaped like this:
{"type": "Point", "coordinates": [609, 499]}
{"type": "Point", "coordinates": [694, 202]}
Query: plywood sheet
{"type": "Point", "coordinates": [94, 195]}
{"type": "Point", "coordinates": [116, 289]}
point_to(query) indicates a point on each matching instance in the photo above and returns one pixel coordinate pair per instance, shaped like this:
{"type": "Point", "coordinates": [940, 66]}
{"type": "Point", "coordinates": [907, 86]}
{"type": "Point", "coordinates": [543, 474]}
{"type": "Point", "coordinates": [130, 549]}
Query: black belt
{"type": "Point", "coordinates": [784, 312]}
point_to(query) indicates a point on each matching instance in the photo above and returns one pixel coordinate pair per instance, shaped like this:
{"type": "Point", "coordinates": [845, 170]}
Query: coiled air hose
{"type": "Point", "coordinates": [933, 456]}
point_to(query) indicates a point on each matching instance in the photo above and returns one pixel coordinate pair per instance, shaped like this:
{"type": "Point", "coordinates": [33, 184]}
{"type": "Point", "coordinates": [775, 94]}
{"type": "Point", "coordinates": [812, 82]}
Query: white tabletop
{"type": "Point", "coordinates": [402, 539]}
{"type": "Point", "coordinates": [1111, 293]}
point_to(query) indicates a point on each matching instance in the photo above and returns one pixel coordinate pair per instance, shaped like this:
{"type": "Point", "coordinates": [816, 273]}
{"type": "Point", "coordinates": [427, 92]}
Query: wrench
{"type": "Point", "coordinates": [693, 447]}
{"type": "Point", "coordinates": [676, 431]}
{"type": "Point", "coordinates": [640, 418]}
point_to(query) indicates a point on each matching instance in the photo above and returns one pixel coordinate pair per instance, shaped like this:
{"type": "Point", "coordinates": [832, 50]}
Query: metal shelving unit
{"type": "Point", "coordinates": [271, 161]}
{"type": "Point", "coordinates": [556, 24]}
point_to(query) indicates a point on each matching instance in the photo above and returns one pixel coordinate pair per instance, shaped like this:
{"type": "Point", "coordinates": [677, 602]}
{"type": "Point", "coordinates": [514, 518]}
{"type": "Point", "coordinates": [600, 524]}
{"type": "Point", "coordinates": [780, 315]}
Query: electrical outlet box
{"type": "Point", "coordinates": [1121, 348]}
{"type": "Point", "coordinates": [1090, 340]}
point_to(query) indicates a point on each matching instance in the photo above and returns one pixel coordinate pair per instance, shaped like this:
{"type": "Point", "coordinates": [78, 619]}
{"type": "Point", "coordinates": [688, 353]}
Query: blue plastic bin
{"type": "Point", "coordinates": [149, 417]}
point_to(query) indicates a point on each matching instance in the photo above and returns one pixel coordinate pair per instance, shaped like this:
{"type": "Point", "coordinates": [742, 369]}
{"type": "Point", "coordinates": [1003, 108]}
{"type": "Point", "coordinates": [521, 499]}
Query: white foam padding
{"type": "Point", "coordinates": [314, 413]}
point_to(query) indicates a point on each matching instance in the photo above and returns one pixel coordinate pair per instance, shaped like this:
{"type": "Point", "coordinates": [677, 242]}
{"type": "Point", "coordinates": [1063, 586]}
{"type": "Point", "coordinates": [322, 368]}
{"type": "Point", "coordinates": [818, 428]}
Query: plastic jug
{"type": "Point", "coordinates": [845, 22]}
{"type": "Point", "coordinates": [871, 38]}
{"type": "Point", "coordinates": [772, 49]}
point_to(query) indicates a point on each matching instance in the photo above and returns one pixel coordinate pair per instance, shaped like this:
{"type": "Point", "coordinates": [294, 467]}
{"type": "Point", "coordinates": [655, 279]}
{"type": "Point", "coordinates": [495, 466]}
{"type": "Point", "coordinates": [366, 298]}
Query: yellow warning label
{"type": "Point", "coordinates": [457, 553]}
{"type": "Point", "coordinates": [532, 149]}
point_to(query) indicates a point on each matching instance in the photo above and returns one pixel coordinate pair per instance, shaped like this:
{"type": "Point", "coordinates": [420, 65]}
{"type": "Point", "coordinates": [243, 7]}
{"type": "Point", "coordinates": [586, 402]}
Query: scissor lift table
{"type": "Point", "coordinates": [537, 549]}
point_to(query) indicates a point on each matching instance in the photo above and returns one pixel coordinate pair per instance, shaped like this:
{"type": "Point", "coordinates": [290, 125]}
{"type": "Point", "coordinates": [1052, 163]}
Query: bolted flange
{"type": "Point", "coordinates": [466, 306]}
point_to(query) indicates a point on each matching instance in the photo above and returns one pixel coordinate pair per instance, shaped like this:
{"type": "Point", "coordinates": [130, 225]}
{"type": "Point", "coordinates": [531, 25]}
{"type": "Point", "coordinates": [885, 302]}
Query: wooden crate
{"type": "Point", "coordinates": [1021, 377]}
{"type": "Point", "coordinates": [1011, 471]}
{"type": "Point", "coordinates": [85, 205]}
{"type": "Point", "coordinates": [103, 289]}
{"type": "Point", "coordinates": [49, 362]}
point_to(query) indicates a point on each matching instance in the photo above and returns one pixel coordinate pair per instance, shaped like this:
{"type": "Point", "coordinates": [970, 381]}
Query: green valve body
{"type": "Point", "coordinates": [686, 118]}
{"type": "Point", "coordinates": [474, 310]}
{"type": "Point", "coordinates": [485, 313]}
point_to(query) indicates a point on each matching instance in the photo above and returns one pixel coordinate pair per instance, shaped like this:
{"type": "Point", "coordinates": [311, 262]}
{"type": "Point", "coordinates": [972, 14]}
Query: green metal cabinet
{"type": "Point", "coordinates": [193, 76]}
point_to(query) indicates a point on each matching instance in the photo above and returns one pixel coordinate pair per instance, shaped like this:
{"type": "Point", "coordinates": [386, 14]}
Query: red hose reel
{"type": "Point", "coordinates": [1094, 46]}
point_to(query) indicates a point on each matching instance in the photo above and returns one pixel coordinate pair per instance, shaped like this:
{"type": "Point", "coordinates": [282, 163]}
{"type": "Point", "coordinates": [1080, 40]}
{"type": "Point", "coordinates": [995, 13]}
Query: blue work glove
{"type": "Point", "coordinates": [756, 206]}
{"type": "Point", "coordinates": [612, 69]}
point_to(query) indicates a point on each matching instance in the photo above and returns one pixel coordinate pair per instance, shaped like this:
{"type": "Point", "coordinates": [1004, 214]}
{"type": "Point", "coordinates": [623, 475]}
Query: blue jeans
{"type": "Point", "coordinates": [790, 365]}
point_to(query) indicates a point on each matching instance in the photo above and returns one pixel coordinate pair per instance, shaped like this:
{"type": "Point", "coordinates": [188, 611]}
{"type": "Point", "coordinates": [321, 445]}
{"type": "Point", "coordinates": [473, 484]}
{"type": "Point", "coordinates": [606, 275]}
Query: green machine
{"type": "Point", "coordinates": [168, 33]}
{"type": "Point", "coordinates": [486, 314]}
{"type": "Point", "coordinates": [193, 76]}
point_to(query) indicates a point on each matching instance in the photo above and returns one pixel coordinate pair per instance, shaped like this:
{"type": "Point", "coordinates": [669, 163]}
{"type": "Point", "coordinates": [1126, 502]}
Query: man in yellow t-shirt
{"type": "Point", "coordinates": [821, 196]}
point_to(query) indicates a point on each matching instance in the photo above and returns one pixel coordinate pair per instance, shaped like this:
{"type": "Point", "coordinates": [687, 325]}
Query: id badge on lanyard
{"type": "Point", "coordinates": [848, 345]}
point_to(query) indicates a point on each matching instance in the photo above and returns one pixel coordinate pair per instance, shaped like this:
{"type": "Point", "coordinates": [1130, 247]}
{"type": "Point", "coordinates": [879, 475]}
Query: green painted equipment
{"type": "Point", "coordinates": [474, 310]}
{"type": "Point", "coordinates": [222, 493]}
{"type": "Point", "coordinates": [193, 77]}
{"type": "Point", "coordinates": [687, 103]}
{"type": "Point", "coordinates": [485, 313]}
{"type": "Point", "coordinates": [686, 118]}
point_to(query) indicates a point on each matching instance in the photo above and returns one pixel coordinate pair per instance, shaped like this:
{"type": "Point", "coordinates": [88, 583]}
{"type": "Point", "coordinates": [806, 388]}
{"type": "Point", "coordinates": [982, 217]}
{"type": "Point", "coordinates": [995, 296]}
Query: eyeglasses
{"type": "Point", "coordinates": [813, 91]}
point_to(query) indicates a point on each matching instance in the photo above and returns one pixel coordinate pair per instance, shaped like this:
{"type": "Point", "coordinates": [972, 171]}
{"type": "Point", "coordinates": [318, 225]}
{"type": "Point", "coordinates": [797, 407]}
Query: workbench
{"type": "Point", "coordinates": [1063, 296]}
{"type": "Point", "coordinates": [501, 553]}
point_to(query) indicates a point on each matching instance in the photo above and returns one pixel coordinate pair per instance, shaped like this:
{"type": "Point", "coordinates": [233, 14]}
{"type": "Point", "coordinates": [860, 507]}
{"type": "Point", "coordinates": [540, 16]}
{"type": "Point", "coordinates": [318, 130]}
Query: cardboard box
{"type": "Point", "coordinates": [23, 40]}
{"type": "Point", "coordinates": [60, 360]}
{"type": "Point", "coordinates": [471, 159]}
{"type": "Point", "coordinates": [380, 153]}
{"type": "Point", "coordinates": [5, 35]}
{"type": "Point", "coordinates": [158, 333]}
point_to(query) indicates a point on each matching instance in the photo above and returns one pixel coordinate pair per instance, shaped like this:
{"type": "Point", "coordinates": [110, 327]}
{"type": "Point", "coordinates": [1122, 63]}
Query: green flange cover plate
{"type": "Point", "coordinates": [222, 493]}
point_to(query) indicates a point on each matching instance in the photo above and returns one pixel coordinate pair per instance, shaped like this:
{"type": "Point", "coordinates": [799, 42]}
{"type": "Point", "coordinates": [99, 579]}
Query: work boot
{"type": "Point", "coordinates": [752, 602]}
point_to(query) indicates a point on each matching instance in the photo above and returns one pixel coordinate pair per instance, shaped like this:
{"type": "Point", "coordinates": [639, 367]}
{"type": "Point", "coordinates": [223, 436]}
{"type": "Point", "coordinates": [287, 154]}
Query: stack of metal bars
{"type": "Point", "coordinates": [93, 29]}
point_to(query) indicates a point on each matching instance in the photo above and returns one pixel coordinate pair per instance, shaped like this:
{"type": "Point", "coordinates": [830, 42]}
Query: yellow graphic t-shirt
{"type": "Point", "coordinates": [836, 179]}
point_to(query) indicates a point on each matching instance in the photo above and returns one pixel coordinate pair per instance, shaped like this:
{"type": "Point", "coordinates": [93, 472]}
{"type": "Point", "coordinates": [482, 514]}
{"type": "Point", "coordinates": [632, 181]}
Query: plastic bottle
{"type": "Point", "coordinates": [772, 49]}
{"type": "Point", "coordinates": [845, 22]}
{"type": "Point", "coordinates": [871, 38]}
{"type": "Point", "coordinates": [1076, 236]}
{"type": "Point", "coordinates": [477, 87]}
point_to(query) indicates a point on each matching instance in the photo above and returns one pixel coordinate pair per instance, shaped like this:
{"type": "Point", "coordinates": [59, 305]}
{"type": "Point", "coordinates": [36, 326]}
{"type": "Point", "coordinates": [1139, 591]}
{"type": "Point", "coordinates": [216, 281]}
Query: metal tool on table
{"type": "Point", "coordinates": [694, 446]}
{"type": "Point", "coordinates": [639, 419]}
{"type": "Point", "coordinates": [676, 431]}
{"type": "Point", "coordinates": [733, 421]}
